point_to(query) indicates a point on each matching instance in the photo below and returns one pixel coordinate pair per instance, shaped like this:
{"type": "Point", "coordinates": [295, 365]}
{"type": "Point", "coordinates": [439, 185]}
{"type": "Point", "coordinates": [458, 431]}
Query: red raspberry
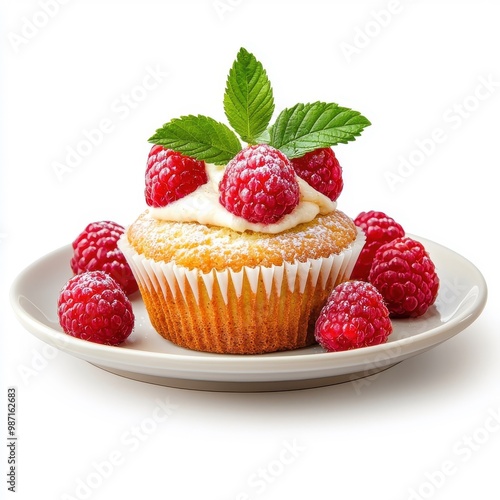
{"type": "Point", "coordinates": [93, 307]}
{"type": "Point", "coordinates": [171, 176]}
{"type": "Point", "coordinates": [321, 170]}
{"type": "Point", "coordinates": [405, 276]}
{"type": "Point", "coordinates": [379, 228]}
{"type": "Point", "coordinates": [95, 249]}
{"type": "Point", "coordinates": [259, 184]}
{"type": "Point", "coordinates": [354, 316]}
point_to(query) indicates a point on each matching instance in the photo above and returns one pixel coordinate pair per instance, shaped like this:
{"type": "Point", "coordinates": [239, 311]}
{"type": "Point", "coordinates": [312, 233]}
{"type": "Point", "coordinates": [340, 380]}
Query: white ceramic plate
{"type": "Point", "coordinates": [147, 357]}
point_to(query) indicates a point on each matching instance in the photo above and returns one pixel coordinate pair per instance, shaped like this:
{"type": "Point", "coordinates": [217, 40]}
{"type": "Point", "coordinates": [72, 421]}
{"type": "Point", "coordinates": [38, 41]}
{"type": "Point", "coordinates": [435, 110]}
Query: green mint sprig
{"type": "Point", "coordinates": [249, 106]}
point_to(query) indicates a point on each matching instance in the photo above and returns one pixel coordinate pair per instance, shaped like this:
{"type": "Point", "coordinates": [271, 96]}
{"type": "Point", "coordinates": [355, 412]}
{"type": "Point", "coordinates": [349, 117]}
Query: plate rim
{"type": "Point", "coordinates": [223, 365]}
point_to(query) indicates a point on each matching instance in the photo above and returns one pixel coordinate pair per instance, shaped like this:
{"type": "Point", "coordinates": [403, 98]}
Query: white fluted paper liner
{"type": "Point", "coordinates": [160, 276]}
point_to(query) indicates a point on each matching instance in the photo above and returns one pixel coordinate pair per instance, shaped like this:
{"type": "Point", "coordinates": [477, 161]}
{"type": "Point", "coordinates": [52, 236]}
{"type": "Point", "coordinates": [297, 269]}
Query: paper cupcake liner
{"type": "Point", "coordinates": [255, 309]}
{"type": "Point", "coordinates": [161, 276]}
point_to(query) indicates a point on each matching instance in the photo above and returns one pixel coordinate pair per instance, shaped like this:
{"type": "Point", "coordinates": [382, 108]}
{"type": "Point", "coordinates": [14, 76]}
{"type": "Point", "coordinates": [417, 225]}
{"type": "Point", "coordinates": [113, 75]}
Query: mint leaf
{"type": "Point", "coordinates": [248, 99]}
{"type": "Point", "coordinates": [306, 127]}
{"type": "Point", "coordinates": [200, 137]}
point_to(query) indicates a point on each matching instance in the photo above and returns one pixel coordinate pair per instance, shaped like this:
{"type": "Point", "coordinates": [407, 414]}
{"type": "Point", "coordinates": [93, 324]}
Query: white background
{"type": "Point", "coordinates": [421, 67]}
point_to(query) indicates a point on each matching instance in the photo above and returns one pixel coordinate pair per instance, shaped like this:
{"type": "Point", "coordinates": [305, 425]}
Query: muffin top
{"type": "Point", "coordinates": [205, 247]}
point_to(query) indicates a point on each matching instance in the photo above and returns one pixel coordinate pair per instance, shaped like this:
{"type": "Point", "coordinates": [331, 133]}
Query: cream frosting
{"type": "Point", "coordinates": [203, 206]}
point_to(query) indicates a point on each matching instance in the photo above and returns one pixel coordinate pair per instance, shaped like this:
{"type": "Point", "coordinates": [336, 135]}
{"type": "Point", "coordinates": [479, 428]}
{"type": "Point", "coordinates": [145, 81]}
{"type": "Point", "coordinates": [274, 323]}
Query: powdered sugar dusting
{"type": "Point", "coordinates": [206, 248]}
{"type": "Point", "coordinates": [158, 275]}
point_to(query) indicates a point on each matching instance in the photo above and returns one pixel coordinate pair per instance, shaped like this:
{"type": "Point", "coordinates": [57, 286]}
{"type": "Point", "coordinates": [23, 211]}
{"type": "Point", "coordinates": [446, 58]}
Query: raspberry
{"type": "Point", "coordinates": [171, 176]}
{"type": "Point", "coordinates": [405, 276]}
{"type": "Point", "coordinates": [259, 184]}
{"type": "Point", "coordinates": [354, 316]}
{"type": "Point", "coordinates": [95, 249]}
{"type": "Point", "coordinates": [379, 228]}
{"type": "Point", "coordinates": [321, 170]}
{"type": "Point", "coordinates": [92, 306]}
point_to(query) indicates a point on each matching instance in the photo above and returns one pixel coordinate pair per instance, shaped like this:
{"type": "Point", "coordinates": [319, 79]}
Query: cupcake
{"type": "Point", "coordinates": [240, 246]}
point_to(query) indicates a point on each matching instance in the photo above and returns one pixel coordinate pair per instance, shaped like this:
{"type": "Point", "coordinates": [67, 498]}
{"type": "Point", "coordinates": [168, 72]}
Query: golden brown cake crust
{"type": "Point", "coordinates": [196, 246]}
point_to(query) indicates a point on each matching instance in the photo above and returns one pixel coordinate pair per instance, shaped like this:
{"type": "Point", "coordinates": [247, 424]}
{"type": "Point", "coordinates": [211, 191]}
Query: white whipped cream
{"type": "Point", "coordinates": [203, 206]}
